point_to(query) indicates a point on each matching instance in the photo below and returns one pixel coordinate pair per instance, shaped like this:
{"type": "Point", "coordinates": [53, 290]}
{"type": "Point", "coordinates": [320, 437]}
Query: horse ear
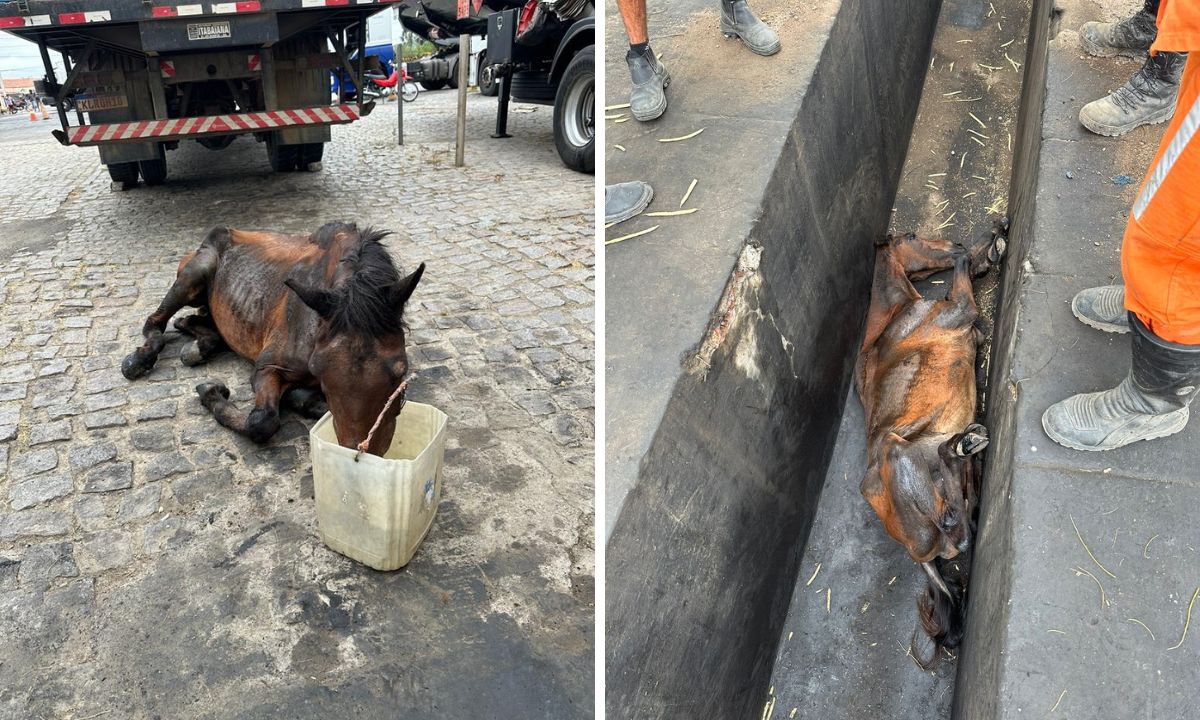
{"type": "Point", "coordinates": [319, 300]}
{"type": "Point", "coordinates": [403, 290]}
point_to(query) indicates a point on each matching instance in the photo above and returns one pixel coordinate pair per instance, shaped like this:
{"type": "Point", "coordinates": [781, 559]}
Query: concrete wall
{"type": "Point", "coordinates": [980, 665]}
{"type": "Point", "coordinates": [703, 558]}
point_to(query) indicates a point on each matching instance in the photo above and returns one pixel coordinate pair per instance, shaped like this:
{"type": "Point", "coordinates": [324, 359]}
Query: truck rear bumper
{"type": "Point", "coordinates": [193, 127]}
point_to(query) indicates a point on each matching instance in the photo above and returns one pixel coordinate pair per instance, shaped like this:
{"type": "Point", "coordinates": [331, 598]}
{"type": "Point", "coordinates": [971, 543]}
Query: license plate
{"type": "Point", "coordinates": [92, 103]}
{"type": "Point", "coordinates": [208, 31]}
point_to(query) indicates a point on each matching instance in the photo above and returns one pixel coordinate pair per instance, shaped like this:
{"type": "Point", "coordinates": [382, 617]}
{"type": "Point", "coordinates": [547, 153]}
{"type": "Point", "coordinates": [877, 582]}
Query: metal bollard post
{"type": "Point", "coordinates": [399, 49]}
{"type": "Point", "coordinates": [464, 65]}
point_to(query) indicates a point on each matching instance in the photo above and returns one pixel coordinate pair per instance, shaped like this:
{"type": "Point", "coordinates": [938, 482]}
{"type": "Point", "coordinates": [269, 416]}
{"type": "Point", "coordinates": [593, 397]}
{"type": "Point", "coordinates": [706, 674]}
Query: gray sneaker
{"type": "Point", "coordinates": [1130, 37]}
{"type": "Point", "coordinates": [738, 20]}
{"type": "Point", "coordinates": [1102, 308]}
{"type": "Point", "coordinates": [1148, 98]}
{"type": "Point", "coordinates": [625, 200]}
{"type": "Point", "coordinates": [648, 98]}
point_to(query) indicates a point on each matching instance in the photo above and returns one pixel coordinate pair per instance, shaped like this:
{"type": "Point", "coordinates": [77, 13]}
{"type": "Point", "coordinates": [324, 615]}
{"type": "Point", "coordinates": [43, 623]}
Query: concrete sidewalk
{"type": "Point", "coordinates": [1042, 634]}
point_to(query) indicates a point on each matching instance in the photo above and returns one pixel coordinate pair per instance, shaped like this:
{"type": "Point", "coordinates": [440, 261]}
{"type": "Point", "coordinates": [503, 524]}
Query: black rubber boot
{"type": "Point", "coordinates": [1148, 98]}
{"type": "Point", "coordinates": [1152, 402]}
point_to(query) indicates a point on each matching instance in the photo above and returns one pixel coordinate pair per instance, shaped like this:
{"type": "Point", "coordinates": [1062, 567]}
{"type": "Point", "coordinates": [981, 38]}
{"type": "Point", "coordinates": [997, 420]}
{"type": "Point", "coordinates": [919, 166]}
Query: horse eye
{"type": "Point", "coordinates": [950, 519]}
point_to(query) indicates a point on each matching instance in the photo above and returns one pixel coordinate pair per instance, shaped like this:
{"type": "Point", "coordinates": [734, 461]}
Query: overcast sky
{"type": "Point", "coordinates": [20, 58]}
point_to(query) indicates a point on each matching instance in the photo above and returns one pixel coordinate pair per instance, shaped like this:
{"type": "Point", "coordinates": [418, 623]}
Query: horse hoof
{"type": "Point", "coordinates": [191, 355]}
{"type": "Point", "coordinates": [209, 392]}
{"type": "Point", "coordinates": [135, 366]}
{"type": "Point", "coordinates": [996, 252]}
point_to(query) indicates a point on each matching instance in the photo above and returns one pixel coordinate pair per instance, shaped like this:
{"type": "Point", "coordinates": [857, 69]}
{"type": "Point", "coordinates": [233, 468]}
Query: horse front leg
{"type": "Point", "coordinates": [190, 288]}
{"type": "Point", "coordinates": [260, 423]}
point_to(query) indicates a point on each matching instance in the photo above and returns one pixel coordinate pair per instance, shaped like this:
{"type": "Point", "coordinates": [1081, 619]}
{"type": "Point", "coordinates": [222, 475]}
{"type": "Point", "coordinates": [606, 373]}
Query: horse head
{"type": "Point", "coordinates": [358, 354]}
{"type": "Point", "coordinates": [921, 491]}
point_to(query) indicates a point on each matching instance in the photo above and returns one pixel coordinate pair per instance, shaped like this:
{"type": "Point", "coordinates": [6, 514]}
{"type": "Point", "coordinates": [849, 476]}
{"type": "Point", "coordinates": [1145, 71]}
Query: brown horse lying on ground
{"type": "Point", "coordinates": [319, 315]}
{"type": "Point", "coordinates": [916, 379]}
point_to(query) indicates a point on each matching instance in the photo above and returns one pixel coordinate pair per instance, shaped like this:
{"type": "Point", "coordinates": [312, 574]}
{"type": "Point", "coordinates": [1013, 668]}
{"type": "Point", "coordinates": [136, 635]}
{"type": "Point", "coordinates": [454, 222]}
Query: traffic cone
{"type": "Point", "coordinates": [33, 116]}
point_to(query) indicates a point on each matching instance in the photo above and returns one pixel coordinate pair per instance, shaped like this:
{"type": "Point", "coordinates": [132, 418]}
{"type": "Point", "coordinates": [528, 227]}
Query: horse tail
{"type": "Point", "coordinates": [942, 617]}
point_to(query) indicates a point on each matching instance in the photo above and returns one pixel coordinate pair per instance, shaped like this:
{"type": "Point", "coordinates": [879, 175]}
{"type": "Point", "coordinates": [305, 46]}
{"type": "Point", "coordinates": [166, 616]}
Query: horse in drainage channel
{"type": "Point", "coordinates": [320, 316]}
{"type": "Point", "coordinates": [916, 377]}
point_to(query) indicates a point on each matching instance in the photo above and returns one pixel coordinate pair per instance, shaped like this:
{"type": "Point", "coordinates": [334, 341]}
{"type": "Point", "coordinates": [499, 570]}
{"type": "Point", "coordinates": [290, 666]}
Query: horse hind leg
{"type": "Point", "coordinates": [190, 288]}
{"type": "Point", "coordinates": [206, 342]}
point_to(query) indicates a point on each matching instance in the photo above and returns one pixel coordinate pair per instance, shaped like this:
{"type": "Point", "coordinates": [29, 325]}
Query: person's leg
{"type": "Point", "coordinates": [1160, 261]}
{"type": "Point", "coordinates": [648, 96]}
{"type": "Point", "coordinates": [633, 14]}
{"type": "Point", "coordinates": [1149, 96]}
{"type": "Point", "coordinates": [737, 20]}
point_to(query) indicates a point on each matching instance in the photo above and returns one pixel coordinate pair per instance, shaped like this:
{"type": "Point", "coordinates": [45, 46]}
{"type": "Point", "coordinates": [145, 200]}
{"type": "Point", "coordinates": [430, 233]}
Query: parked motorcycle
{"type": "Point", "coordinates": [378, 86]}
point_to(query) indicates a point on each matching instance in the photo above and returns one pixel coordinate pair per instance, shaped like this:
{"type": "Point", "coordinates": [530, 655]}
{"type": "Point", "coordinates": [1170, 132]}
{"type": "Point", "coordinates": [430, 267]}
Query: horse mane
{"type": "Point", "coordinates": [363, 302]}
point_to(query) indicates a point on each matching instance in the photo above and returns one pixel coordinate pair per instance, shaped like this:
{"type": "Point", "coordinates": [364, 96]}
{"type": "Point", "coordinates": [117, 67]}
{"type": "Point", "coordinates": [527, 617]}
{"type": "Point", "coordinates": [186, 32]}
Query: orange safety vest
{"type": "Point", "coordinates": [1160, 255]}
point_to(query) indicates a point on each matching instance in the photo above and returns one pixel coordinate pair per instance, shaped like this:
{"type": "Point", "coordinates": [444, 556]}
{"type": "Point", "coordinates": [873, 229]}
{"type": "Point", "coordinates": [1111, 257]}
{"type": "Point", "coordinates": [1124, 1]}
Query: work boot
{"type": "Point", "coordinates": [738, 20]}
{"type": "Point", "coordinates": [1151, 402]}
{"type": "Point", "coordinates": [625, 200]}
{"type": "Point", "coordinates": [1148, 98]}
{"type": "Point", "coordinates": [648, 98]}
{"type": "Point", "coordinates": [1102, 308]}
{"type": "Point", "coordinates": [1131, 37]}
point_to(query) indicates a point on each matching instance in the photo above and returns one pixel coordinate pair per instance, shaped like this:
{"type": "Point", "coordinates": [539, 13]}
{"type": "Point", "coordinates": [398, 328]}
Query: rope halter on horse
{"type": "Point", "coordinates": [397, 393]}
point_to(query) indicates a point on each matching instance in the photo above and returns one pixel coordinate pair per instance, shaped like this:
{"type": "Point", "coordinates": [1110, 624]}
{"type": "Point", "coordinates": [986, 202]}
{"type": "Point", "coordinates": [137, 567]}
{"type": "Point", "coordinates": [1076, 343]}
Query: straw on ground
{"type": "Point", "coordinates": [630, 236]}
{"type": "Point", "coordinates": [1089, 550]}
{"type": "Point", "coordinates": [1187, 622]}
{"type": "Point", "coordinates": [688, 194]}
{"type": "Point", "coordinates": [689, 136]}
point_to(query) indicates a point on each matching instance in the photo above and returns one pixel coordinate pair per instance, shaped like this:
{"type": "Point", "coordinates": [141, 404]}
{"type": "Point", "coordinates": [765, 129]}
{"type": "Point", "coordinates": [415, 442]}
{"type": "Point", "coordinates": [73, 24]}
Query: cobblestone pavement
{"type": "Point", "coordinates": [153, 564]}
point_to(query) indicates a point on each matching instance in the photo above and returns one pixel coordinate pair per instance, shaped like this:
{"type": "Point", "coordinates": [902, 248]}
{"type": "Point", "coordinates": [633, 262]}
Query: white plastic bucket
{"type": "Point", "coordinates": [377, 510]}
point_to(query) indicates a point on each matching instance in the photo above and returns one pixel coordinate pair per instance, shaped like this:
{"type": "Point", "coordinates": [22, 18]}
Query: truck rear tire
{"type": "Point", "coordinates": [154, 172]}
{"type": "Point", "coordinates": [433, 84]}
{"type": "Point", "coordinates": [283, 158]}
{"type": "Point", "coordinates": [126, 172]}
{"type": "Point", "coordinates": [575, 112]}
{"type": "Point", "coordinates": [452, 83]}
{"type": "Point", "coordinates": [486, 76]}
{"type": "Point", "coordinates": [308, 154]}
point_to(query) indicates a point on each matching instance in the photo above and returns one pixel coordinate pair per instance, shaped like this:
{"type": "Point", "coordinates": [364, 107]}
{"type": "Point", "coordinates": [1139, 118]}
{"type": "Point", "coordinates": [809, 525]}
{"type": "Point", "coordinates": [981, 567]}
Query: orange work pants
{"type": "Point", "coordinates": [1160, 256]}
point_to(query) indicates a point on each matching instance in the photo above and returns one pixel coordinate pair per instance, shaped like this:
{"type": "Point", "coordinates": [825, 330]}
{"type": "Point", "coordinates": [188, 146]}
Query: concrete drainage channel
{"type": "Point", "coordinates": [746, 575]}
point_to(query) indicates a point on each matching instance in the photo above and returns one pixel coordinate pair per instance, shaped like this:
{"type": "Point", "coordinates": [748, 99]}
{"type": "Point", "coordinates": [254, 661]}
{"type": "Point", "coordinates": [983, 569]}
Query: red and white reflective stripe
{"type": "Point", "coordinates": [28, 21]}
{"type": "Point", "coordinates": [236, 7]}
{"type": "Point", "coordinates": [239, 122]}
{"type": "Point", "coordinates": [176, 10]}
{"type": "Point", "coordinates": [78, 18]}
{"type": "Point", "coordinates": [323, 3]}
{"type": "Point", "coordinates": [167, 68]}
{"type": "Point", "coordinates": [254, 63]}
